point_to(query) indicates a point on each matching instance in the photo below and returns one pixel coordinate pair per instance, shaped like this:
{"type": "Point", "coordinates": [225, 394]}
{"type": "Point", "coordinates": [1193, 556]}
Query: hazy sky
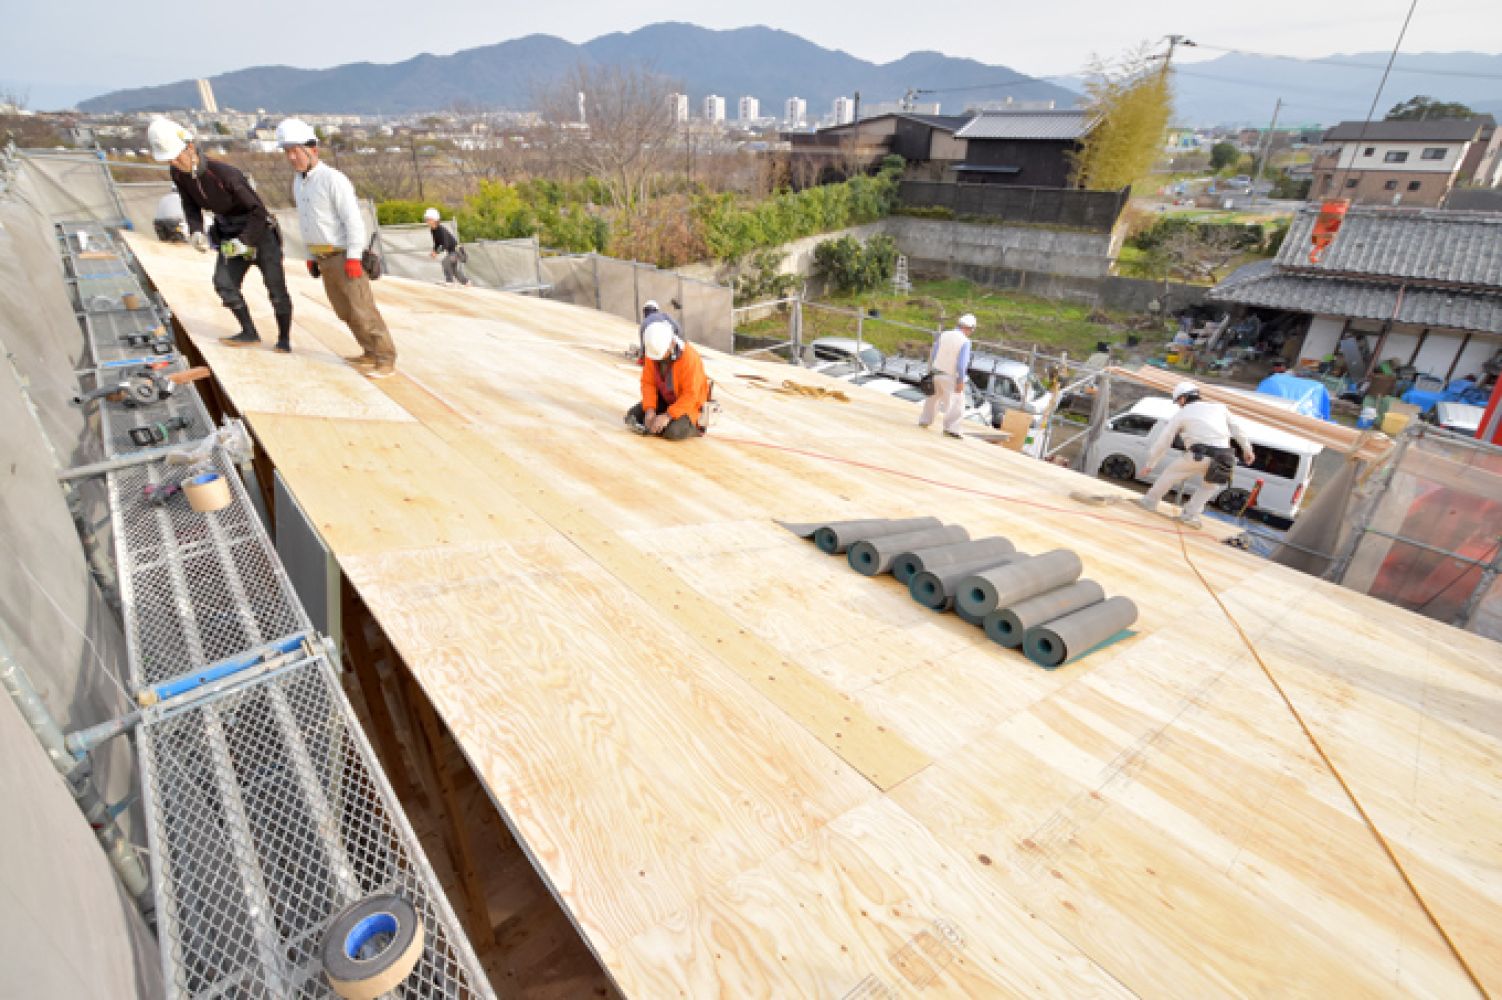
{"type": "Point", "coordinates": [58, 52]}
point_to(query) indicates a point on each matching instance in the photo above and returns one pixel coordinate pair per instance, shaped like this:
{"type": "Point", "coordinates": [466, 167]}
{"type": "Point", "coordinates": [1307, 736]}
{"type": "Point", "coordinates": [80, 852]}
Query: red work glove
{"type": "Point", "coordinates": [352, 269]}
{"type": "Point", "coordinates": [313, 268]}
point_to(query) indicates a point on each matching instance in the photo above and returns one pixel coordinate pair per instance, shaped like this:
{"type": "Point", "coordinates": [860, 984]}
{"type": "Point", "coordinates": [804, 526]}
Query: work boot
{"type": "Point", "coordinates": [284, 332]}
{"type": "Point", "coordinates": [247, 334]}
{"type": "Point", "coordinates": [366, 360]}
{"type": "Point", "coordinates": [381, 370]}
{"type": "Point", "coordinates": [953, 434]}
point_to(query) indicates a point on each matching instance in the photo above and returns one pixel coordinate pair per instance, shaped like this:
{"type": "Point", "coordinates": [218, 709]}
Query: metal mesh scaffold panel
{"type": "Point", "coordinates": [269, 819]}
{"type": "Point", "coordinates": [200, 586]}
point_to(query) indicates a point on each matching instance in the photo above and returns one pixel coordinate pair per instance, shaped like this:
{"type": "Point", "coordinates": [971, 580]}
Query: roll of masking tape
{"type": "Point", "coordinates": [208, 492]}
{"type": "Point", "coordinates": [372, 947]}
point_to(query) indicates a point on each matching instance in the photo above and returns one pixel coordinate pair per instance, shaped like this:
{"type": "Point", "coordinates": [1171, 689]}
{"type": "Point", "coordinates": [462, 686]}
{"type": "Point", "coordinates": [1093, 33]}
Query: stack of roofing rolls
{"type": "Point", "coordinates": [1037, 604]}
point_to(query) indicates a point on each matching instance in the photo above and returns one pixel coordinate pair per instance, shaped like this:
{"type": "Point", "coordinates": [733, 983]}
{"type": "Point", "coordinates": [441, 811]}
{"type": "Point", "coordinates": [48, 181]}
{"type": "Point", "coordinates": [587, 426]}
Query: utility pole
{"type": "Point", "coordinates": [412, 145]}
{"type": "Point", "coordinates": [1174, 41]}
{"type": "Point", "coordinates": [1267, 150]}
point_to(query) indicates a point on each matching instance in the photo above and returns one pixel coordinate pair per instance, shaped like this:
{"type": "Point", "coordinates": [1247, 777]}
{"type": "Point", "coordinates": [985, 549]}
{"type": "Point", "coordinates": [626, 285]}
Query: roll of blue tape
{"type": "Point", "coordinates": [372, 946]}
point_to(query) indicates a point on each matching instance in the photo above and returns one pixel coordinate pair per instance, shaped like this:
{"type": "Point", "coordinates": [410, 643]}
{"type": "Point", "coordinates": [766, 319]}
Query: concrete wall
{"type": "Point", "coordinates": [1018, 248]}
{"type": "Point", "coordinates": [65, 927]}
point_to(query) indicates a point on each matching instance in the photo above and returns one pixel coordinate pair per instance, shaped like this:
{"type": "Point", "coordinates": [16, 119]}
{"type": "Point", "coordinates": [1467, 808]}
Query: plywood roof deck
{"type": "Point", "coordinates": [747, 771]}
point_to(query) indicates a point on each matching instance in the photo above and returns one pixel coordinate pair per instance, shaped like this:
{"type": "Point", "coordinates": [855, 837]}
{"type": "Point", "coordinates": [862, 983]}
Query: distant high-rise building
{"type": "Point", "coordinates": [795, 111]}
{"type": "Point", "coordinates": [583, 117]}
{"type": "Point", "coordinates": [844, 111]}
{"type": "Point", "coordinates": [714, 108]}
{"type": "Point", "coordinates": [678, 107]}
{"type": "Point", "coordinates": [749, 109]}
{"type": "Point", "coordinates": [206, 96]}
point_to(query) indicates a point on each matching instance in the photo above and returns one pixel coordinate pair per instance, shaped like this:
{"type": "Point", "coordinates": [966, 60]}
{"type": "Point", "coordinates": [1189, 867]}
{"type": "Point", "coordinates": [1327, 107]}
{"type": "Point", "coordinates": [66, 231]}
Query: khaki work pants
{"type": "Point", "coordinates": [948, 399]}
{"type": "Point", "coordinates": [1182, 469]}
{"type": "Point", "coordinates": [355, 305]}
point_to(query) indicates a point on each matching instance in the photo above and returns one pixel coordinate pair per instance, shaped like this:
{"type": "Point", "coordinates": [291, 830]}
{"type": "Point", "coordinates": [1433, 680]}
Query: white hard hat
{"type": "Point", "coordinates": [1185, 389]}
{"type": "Point", "coordinates": [657, 340]}
{"type": "Point", "coordinates": [650, 306]}
{"type": "Point", "coordinates": [295, 132]}
{"type": "Point", "coordinates": [967, 321]}
{"type": "Point", "coordinates": [167, 139]}
{"type": "Point", "coordinates": [431, 215]}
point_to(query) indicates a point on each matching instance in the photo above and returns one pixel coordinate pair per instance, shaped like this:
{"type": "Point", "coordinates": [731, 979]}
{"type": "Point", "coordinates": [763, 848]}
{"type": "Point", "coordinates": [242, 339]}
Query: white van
{"type": "Point", "coordinates": [1284, 461]}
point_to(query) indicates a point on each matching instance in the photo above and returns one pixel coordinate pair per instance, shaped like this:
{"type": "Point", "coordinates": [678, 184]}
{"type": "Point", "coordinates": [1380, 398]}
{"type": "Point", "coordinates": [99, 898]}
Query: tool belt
{"type": "Point", "coordinates": [1222, 462]}
{"type": "Point", "coordinates": [324, 250]}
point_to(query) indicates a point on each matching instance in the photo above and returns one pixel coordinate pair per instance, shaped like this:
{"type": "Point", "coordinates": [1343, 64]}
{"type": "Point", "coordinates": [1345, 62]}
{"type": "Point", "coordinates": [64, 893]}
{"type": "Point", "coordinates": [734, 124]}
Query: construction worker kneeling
{"type": "Point", "coordinates": [674, 389]}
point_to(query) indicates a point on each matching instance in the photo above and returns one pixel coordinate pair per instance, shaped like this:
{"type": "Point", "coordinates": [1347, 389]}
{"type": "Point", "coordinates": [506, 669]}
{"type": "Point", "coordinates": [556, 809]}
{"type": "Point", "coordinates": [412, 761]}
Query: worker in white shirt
{"type": "Point", "coordinates": [1207, 430]}
{"type": "Point", "coordinates": [334, 233]}
{"type": "Point", "coordinates": [949, 361]}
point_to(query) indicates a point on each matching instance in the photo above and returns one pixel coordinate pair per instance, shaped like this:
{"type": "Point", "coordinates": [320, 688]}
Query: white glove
{"type": "Point", "coordinates": [199, 242]}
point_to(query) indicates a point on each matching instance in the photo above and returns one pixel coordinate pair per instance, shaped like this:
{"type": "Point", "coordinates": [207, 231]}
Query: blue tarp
{"type": "Point", "coordinates": [1462, 390]}
{"type": "Point", "coordinates": [1312, 398]}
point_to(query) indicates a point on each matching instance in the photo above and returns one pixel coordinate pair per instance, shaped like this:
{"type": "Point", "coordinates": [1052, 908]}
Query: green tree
{"type": "Point", "coordinates": [1223, 154]}
{"type": "Point", "coordinates": [1423, 107]}
{"type": "Point", "coordinates": [1134, 103]}
{"type": "Point", "coordinates": [856, 267]}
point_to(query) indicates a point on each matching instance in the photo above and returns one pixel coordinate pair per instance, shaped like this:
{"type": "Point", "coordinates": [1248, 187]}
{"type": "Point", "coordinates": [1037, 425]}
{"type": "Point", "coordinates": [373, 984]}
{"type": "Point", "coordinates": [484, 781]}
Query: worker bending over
{"type": "Point", "coordinates": [244, 232]}
{"type": "Point", "coordinates": [447, 244]}
{"type": "Point", "coordinates": [949, 361]}
{"type": "Point", "coordinates": [1207, 430]}
{"type": "Point", "coordinates": [674, 387]}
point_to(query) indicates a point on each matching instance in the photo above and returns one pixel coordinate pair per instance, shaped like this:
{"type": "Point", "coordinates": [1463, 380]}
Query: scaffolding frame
{"type": "Point", "coordinates": [267, 811]}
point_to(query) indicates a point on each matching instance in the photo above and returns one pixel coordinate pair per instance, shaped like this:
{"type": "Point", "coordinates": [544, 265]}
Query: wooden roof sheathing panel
{"type": "Point", "coordinates": [746, 771]}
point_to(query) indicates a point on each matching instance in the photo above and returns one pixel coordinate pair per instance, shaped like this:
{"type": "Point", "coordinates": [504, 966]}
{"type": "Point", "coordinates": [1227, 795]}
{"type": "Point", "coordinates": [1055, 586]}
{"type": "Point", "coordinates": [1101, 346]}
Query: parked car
{"type": "Point", "coordinates": [842, 349]}
{"type": "Point", "coordinates": [1008, 385]}
{"type": "Point", "coordinates": [1283, 462]}
{"type": "Point", "coordinates": [976, 411]}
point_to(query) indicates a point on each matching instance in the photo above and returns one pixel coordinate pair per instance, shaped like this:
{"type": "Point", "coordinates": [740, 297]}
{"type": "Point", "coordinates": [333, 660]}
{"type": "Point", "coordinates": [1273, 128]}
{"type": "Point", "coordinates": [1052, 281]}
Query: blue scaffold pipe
{"type": "Point", "coordinates": [217, 671]}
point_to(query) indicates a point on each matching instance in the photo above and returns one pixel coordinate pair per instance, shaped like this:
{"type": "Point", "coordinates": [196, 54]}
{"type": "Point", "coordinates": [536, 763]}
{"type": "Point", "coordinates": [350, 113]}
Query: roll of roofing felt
{"type": "Point", "coordinates": [1057, 642]}
{"type": "Point", "coordinates": [871, 556]}
{"type": "Point", "coordinates": [1007, 625]}
{"type": "Point", "coordinates": [983, 592]}
{"type": "Point", "coordinates": [837, 536]}
{"type": "Point", "coordinates": [935, 588]}
{"type": "Point", "coordinates": [907, 565]}
{"type": "Point", "coordinates": [959, 613]}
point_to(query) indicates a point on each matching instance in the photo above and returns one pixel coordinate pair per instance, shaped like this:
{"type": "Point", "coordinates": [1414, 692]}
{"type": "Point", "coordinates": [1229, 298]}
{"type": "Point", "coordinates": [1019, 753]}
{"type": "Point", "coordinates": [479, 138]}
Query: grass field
{"type": "Point", "coordinates": [1008, 317]}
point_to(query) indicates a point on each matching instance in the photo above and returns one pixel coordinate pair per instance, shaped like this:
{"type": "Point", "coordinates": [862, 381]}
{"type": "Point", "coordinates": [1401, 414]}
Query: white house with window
{"type": "Point", "coordinates": [1412, 163]}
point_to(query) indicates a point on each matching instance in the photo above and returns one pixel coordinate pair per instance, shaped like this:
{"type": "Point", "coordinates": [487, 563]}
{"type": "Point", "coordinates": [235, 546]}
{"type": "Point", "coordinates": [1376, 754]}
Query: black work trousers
{"type": "Point", "coordinates": [229, 275]}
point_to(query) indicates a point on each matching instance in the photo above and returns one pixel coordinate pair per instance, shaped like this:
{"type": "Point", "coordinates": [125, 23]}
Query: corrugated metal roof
{"type": "Point", "coordinates": [1264, 286]}
{"type": "Point", "coordinates": [1057, 125]}
{"type": "Point", "coordinates": [1462, 248]}
{"type": "Point", "coordinates": [1429, 130]}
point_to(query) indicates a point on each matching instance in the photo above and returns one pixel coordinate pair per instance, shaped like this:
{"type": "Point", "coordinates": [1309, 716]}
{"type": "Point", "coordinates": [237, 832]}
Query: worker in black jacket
{"type": "Point", "coordinates": [243, 231]}
{"type": "Point", "coordinates": [447, 244]}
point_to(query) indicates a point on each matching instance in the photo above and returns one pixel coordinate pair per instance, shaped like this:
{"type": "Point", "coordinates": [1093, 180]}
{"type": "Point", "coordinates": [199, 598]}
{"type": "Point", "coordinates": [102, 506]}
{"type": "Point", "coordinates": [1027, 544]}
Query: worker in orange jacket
{"type": "Point", "coordinates": [674, 387]}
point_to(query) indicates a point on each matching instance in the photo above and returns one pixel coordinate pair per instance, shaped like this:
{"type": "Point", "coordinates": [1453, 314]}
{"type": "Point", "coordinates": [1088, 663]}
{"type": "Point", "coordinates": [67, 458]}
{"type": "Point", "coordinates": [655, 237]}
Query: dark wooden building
{"type": "Point", "coordinates": [1028, 148]}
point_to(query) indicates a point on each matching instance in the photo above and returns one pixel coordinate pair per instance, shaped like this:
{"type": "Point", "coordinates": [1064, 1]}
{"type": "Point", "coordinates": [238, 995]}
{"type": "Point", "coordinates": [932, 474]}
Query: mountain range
{"type": "Point", "coordinates": [762, 62]}
{"type": "Point", "coordinates": [1241, 89]}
